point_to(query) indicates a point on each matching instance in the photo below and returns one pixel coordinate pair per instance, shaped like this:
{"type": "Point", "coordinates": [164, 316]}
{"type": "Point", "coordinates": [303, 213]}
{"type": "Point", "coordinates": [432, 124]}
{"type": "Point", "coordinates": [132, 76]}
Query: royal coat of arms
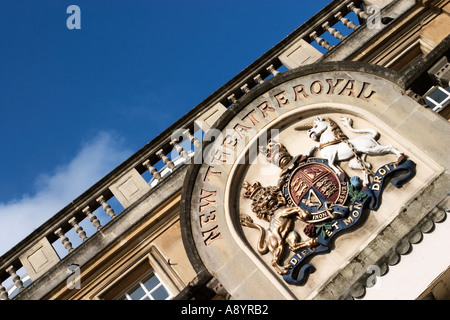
{"type": "Point", "coordinates": [315, 193]}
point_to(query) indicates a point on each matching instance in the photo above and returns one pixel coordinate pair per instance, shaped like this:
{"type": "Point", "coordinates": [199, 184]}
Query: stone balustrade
{"type": "Point", "coordinates": [64, 233]}
{"type": "Point", "coordinates": [336, 22]}
{"type": "Point", "coordinates": [70, 229]}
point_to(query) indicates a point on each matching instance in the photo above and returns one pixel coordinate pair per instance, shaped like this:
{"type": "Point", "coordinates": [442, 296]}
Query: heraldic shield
{"type": "Point", "coordinates": [317, 189]}
{"type": "Point", "coordinates": [316, 194]}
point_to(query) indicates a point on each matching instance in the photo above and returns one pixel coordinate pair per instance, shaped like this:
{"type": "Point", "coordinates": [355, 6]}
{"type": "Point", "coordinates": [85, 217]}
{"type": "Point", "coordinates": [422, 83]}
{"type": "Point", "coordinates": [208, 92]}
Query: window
{"type": "Point", "coordinates": [437, 98]}
{"type": "Point", "coordinates": [146, 277]}
{"type": "Point", "coordinates": [149, 288]}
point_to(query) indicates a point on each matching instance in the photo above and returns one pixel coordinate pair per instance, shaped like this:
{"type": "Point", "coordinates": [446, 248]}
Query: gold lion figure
{"type": "Point", "coordinates": [279, 233]}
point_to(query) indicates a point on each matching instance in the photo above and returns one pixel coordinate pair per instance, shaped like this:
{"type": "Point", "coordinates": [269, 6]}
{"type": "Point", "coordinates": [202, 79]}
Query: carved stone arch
{"type": "Point", "coordinates": [211, 232]}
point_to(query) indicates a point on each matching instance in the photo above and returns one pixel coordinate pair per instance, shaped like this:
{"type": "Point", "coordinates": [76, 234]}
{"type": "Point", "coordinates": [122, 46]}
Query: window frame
{"type": "Point", "coordinates": [148, 293]}
{"type": "Point", "coordinates": [152, 262]}
{"type": "Point", "coordinates": [438, 105]}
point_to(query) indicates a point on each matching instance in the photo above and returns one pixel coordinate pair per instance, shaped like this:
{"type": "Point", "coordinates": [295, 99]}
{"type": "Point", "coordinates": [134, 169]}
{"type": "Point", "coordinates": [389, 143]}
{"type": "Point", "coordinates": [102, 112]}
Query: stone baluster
{"type": "Point", "coordinates": [323, 43]}
{"type": "Point", "coordinates": [345, 21]}
{"type": "Point", "coordinates": [180, 149]}
{"type": "Point", "coordinates": [232, 98]}
{"type": "Point", "coordinates": [3, 293]}
{"type": "Point", "coordinates": [106, 207]}
{"type": "Point", "coordinates": [360, 13]}
{"type": "Point", "coordinates": [153, 171]}
{"type": "Point", "coordinates": [15, 277]}
{"type": "Point", "coordinates": [165, 159]}
{"type": "Point", "coordinates": [245, 88]}
{"type": "Point", "coordinates": [258, 79]}
{"type": "Point", "coordinates": [335, 33]}
{"type": "Point", "coordinates": [65, 241]}
{"type": "Point", "coordinates": [272, 70]}
{"type": "Point", "coordinates": [78, 229]}
{"type": "Point", "coordinates": [191, 138]}
{"type": "Point", "coordinates": [92, 218]}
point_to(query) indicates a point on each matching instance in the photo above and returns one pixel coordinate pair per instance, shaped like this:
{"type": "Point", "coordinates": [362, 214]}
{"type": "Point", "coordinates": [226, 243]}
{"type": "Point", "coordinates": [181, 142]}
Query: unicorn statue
{"type": "Point", "coordinates": [335, 146]}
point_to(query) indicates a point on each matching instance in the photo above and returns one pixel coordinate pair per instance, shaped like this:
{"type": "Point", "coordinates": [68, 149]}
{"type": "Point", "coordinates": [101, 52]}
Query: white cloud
{"type": "Point", "coordinates": [97, 157]}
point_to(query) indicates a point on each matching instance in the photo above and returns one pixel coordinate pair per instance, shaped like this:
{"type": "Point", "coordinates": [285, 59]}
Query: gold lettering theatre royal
{"type": "Point", "coordinates": [314, 199]}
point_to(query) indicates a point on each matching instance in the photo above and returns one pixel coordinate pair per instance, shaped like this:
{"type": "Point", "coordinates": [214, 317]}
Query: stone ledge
{"type": "Point", "coordinates": [100, 241]}
{"type": "Point", "coordinates": [386, 249]}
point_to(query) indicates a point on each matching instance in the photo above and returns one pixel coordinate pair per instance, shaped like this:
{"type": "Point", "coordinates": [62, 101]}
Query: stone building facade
{"type": "Point", "coordinates": [319, 172]}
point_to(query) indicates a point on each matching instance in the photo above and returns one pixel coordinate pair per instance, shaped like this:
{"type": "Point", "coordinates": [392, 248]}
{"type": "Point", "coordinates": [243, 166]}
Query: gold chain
{"type": "Point", "coordinates": [344, 138]}
{"type": "Point", "coordinates": [358, 158]}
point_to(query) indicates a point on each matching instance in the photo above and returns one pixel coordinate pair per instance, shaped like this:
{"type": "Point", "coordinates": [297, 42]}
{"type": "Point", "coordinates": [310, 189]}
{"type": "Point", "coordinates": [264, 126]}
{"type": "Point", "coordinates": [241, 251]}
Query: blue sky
{"type": "Point", "coordinates": [76, 103]}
